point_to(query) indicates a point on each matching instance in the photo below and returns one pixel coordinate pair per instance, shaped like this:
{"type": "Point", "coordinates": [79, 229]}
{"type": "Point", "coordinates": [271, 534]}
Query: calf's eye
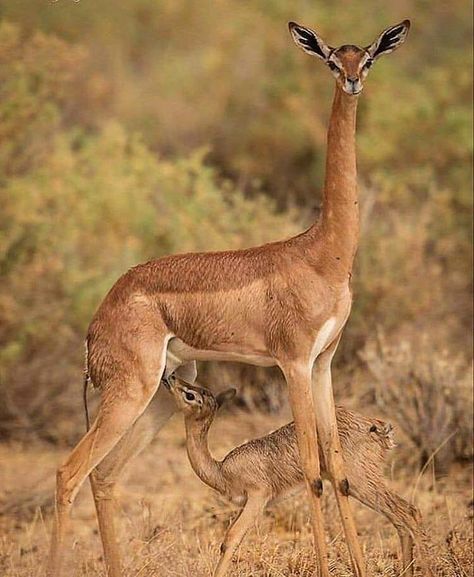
{"type": "Point", "coordinates": [189, 397]}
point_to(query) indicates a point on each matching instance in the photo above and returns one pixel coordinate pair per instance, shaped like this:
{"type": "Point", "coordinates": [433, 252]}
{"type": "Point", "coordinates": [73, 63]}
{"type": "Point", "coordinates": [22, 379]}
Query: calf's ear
{"type": "Point", "coordinates": [225, 396]}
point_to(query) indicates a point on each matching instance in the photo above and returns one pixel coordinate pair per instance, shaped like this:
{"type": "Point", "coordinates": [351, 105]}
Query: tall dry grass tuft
{"type": "Point", "coordinates": [170, 524]}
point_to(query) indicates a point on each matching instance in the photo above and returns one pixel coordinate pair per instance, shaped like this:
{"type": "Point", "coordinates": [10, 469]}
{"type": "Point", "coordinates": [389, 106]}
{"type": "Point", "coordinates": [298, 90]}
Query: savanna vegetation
{"type": "Point", "coordinates": [136, 129]}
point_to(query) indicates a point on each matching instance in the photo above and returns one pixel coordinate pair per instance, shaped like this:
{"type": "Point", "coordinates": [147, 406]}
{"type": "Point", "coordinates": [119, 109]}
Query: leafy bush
{"type": "Point", "coordinates": [74, 217]}
{"type": "Point", "coordinates": [96, 207]}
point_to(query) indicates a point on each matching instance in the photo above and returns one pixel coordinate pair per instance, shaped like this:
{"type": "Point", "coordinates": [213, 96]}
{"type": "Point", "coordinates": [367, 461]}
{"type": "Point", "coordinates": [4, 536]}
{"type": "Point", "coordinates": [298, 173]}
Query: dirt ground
{"type": "Point", "coordinates": [171, 524]}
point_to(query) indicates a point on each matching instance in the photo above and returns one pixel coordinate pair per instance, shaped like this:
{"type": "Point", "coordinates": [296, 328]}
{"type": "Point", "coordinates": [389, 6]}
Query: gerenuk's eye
{"type": "Point", "coordinates": [368, 64]}
{"type": "Point", "coordinates": [190, 397]}
{"type": "Point", "coordinates": [333, 67]}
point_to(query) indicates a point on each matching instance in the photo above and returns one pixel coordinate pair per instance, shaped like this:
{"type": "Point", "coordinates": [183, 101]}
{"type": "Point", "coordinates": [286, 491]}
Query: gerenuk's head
{"type": "Point", "coordinates": [349, 64]}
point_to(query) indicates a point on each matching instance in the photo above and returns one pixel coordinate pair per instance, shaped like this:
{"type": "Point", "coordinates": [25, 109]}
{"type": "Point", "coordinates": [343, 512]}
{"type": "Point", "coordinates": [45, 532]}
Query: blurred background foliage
{"type": "Point", "coordinates": [136, 129]}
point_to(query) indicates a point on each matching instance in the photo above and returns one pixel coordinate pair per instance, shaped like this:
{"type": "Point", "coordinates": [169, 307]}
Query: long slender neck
{"type": "Point", "coordinates": [204, 465]}
{"type": "Point", "coordinates": [339, 225]}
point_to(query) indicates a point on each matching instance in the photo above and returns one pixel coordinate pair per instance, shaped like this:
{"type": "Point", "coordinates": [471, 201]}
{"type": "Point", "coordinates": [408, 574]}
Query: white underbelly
{"type": "Point", "coordinates": [179, 353]}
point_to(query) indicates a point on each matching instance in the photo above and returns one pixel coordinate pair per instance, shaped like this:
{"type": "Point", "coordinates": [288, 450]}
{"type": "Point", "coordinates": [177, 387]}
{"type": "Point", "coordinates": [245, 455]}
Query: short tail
{"type": "Point", "coordinates": [84, 398]}
{"type": "Point", "coordinates": [86, 384]}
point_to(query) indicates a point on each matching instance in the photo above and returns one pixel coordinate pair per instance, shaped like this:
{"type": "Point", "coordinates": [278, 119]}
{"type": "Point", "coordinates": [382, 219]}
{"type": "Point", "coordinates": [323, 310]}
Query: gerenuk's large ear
{"type": "Point", "coordinates": [389, 40]}
{"type": "Point", "coordinates": [309, 41]}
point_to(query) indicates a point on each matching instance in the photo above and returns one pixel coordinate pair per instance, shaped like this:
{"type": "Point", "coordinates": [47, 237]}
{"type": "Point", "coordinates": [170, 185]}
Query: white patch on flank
{"type": "Point", "coordinates": [323, 338]}
{"type": "Point", "coordinates": [164, 358]}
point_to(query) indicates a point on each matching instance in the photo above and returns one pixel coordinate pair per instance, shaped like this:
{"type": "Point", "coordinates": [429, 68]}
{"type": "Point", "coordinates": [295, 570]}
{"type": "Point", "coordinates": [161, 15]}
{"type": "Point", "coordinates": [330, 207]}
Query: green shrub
{"type": "Point", "coordinates": [70, 228]}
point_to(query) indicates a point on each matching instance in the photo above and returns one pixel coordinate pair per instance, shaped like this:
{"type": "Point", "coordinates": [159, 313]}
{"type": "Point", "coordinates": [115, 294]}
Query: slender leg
{"type": "Point", "coordinates": [404, 517]}
{"type": "Point", "coordinates": [331, 447]}
{"type": "Point", "coordinates": [301, 401]}
{"type": "Point", "coordinates": [408, 561]}
{"type": "Point", "coordinates": [247, 517]}
{"type": "Point", "coordinates": [105, 476]}
{"type": "Point", "coordinates": [118, 411]}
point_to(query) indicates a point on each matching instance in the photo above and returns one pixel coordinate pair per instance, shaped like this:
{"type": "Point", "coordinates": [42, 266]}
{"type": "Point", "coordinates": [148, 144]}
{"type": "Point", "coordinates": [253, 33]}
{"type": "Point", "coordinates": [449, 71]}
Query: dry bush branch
{"type": "Point", "coordinates": [427, 391]}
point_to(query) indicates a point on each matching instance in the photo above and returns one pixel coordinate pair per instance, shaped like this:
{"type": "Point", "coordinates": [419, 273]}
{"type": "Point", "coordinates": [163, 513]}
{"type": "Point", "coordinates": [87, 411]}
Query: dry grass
{"type": "Point", "coordinates": [172, 525]}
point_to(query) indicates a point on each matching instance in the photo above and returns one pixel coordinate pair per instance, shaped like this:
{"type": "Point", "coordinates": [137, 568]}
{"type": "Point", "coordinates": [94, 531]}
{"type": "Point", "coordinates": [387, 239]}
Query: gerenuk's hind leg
{"type": "Point", "coordinates": [122, 402]}
{"type": "Point", "coordinates": [106, 475]}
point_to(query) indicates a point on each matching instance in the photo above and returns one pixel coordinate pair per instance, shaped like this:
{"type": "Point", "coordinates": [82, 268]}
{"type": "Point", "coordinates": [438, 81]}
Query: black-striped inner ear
{"type": "Point", "coordinates": [389, 39]}
{"type": "Point", "coordinates": [309, 41]}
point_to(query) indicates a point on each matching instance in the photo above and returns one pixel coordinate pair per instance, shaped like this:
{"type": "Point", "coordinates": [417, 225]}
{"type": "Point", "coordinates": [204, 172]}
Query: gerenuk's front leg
{"type": "Point", "coordinates": [331, 446]}
{"type": "Point", "coordinates": [299, 385]}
